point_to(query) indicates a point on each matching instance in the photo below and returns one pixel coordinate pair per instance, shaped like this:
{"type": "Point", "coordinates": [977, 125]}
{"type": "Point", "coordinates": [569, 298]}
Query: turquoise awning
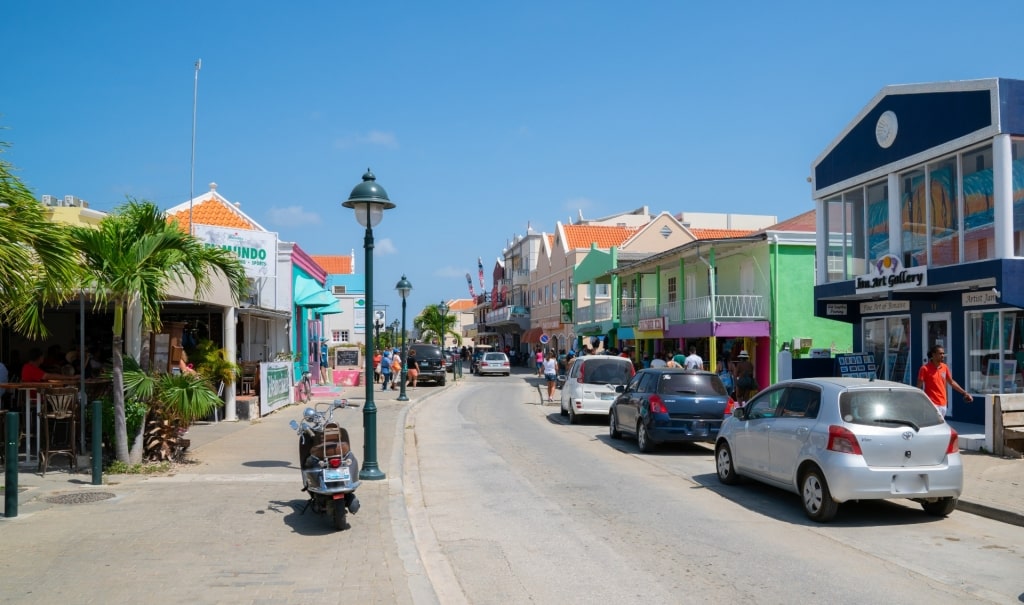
{"type": "Point", "coordinates": [334, 307]}
{"type": "Point", "coordinates": [308, 293]}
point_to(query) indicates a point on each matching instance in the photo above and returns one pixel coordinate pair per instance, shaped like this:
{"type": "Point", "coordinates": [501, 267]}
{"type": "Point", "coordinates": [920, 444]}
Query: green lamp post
{"type": "Point", "coordinates": [404, 288]}
{"type": "Point", "coordinates": [369, 201]}
{"type": "Point", "coordinates": [443, 309]}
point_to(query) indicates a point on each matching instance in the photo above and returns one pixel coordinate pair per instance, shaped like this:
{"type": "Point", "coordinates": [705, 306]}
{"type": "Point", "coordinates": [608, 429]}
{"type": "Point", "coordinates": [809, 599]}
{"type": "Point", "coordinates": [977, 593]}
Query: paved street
{"type": "Point", "coordinates": [482, 481]}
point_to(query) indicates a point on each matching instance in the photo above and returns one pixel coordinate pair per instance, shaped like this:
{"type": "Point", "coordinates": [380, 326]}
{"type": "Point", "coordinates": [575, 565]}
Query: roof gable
{"type": "Point", "coordinates": [213, 209]}
{"type": "Point", "coordinates": [583, 236]}
{"type": "Point", "coordinates": [334, 263]}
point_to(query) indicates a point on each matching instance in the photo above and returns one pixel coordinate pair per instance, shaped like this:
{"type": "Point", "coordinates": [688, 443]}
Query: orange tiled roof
{"type": "Point", "coordinates": [604, 236]}
{"type": "Point", "coordinates": [210, 212]}
{"type": "Point", "coordinates": [462, 304]}
{"type": "Point", "coordinates": [720, 233]}
{"type": "Point", "coordinates": [801, 222]}
{"type": "Point", "coordinates": [334, 264]}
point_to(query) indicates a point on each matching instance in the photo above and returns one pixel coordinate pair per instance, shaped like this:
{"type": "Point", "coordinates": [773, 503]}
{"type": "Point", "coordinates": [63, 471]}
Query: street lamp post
{"type": "Point", "coordinates": [443, 309]}
{"type": "Point", "coordinates": [404, 288]}
{"type": "Point", "coordinates": [369, 201]}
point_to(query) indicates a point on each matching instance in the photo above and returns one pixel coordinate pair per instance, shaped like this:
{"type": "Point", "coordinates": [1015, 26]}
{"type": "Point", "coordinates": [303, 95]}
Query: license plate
{"type": "Point", "coordinates": [698, 424]}
{"type": "Point", "coordinates": [340, 474]}
{"type": "Point", "coordinates": [908, 484]}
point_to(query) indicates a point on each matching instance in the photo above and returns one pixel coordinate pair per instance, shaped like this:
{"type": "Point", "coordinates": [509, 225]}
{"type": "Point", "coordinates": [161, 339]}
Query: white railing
{"type": "Point", "coordinates": [521, 277]}
{"type": "Point", "coordinates": [600, 311]}
{"type": "Point", "coordinates": [673, 311]}
{"type": "Point", "coordinates": [727, 307]}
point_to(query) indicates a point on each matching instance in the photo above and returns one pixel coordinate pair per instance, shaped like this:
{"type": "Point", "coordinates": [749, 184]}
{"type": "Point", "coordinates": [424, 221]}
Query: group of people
{"type": "Point", "coordinates": [387, 369]}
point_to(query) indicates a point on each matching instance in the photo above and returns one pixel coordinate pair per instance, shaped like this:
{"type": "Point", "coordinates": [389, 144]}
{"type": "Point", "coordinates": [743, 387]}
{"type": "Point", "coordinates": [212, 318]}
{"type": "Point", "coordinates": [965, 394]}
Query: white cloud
{"type": "Point", "coordinates": [384, 246]}
{"type": "Point", "coordinates": [579, 203]}
{"type": "Point", "coordinates": [450, 271]}
{"type": "Point", "coordinates": [292, 216]}
{"type": "Point", "coordinates": [373, 138]}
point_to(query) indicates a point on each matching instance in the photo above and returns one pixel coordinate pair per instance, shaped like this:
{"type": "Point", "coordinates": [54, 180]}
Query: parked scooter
{"type": "Point", "coordinates": [330, 471]}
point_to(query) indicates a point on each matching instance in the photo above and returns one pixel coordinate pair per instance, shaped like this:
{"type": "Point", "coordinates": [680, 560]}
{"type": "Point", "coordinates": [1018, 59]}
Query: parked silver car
{"type": "Point", "coordinates": [832, 440]}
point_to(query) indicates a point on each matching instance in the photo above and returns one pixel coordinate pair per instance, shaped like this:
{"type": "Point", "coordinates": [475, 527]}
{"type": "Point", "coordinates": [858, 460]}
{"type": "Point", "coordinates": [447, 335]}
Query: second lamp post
{"type": "Point", "coordinates": [404, 288]}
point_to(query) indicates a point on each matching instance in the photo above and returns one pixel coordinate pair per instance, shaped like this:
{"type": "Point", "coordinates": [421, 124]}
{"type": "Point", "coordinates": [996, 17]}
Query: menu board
{"type": "Point", "coordinates": [346, 357]}
{"type": "Point", "coordinates": [856, 365]}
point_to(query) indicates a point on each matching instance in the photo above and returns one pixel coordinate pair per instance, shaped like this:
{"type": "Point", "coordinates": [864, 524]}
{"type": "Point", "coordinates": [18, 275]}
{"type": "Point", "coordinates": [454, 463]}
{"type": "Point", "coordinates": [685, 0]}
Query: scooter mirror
{"type": "Point", "coordinates": [294, 425]}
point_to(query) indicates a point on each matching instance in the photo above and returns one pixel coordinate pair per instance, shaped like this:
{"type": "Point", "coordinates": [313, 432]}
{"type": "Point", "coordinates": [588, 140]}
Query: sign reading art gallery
{"type": "Point", "coordinates": [888, 274]}
{"type": "Point", "coordinates": [256, 250]}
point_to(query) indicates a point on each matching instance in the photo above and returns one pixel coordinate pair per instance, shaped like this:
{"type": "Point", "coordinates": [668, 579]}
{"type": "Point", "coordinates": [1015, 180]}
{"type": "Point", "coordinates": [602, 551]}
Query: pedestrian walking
{"type": "Point", "coordinates": [396, 369]}
{"type": "Point", "coordinates": [693, 361]}
{"type": "Point", "coordinates": [550, 369]}
{"type": "Point", "coordinates": [376, 366]}
{"type": "Point", "coordinates": [385, 370]}
{"type": "Point", "coordinates": [539, 357]}
{"type": "Point", "coordinates": [933, 377]}
{"type": "Point", "coordinates": [413, 368]}
{"type": "Point", "coordinates": [746, 384]}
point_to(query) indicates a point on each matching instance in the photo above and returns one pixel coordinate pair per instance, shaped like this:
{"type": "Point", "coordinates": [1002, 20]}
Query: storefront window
{"type": "Point", "coordinates": [945, 212]}
{"type": "Point", "coordinates": [1017, 153]}
{"type": "Point", "coordinates": [857, 261]}
{"type": "Point", "coordinates": [887, 338]}
{"type": "Point", "coordinates": [836, 229]}
{"type": "Point", "coordinates": [878, 220]}
{"type": "Point", "coordinates": [979, 234]}
{"type": "Point", "coordinates": [995, 352]}
{"type": "Point", "coordinates": [914, 218]}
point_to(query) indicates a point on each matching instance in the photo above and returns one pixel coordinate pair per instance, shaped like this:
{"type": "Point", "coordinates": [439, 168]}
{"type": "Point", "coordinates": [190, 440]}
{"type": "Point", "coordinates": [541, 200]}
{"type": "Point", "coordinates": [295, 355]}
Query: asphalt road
{"type": "Point", "coordinates": [510, 504]}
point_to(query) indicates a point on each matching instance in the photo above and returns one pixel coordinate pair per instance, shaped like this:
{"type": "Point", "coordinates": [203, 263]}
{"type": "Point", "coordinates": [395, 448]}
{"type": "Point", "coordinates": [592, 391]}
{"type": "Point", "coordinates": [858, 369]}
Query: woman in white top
{"type": "Point", "coordinates": [550, 367]}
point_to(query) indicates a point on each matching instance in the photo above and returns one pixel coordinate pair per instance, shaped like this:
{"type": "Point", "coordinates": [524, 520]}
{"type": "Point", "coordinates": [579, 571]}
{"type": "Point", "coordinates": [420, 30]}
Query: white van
{"type": "Point", "coordinates": [590, 384]}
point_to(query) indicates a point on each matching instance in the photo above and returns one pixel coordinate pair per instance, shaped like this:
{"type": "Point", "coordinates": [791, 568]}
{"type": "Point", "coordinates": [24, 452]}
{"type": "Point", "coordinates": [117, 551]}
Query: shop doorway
{"type": "Point", "coordinates": [935, 331]}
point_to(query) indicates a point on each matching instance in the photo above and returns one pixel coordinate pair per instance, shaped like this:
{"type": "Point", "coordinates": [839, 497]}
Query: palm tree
{"type": "Point", "coordinates": [432, 324]}
{"type": "Point", "coordinates": [38, 264]}
{"type": "Point", "coordinates": [131, 258]}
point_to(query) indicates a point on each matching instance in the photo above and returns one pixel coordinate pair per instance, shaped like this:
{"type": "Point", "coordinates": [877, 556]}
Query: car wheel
{"type": "Point", "coordinates": [573, 418]}
{"type": "Point", "coordinates": [723, 462]}
{"type": "Point", "coordinates": [441, 382]}
{"type": "Point", "coordinates": [818, 502]}
{"type": "Point", "coordinates": [613, 426]}
{"type": "Point", "coordinates": [643, 439]}
{"type": "Point", "coordinates": [940, 508]}
{"type": "Point", "coordinates": [561, 408]}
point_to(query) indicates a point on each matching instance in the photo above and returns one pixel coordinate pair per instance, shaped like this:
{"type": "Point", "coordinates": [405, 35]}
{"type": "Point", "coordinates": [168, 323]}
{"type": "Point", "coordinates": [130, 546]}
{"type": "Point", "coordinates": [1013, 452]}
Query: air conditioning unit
{"type": "Point", "coordinates": [51, 200]}
{"type": "Point", "coordinates": [803, 344]}
{"type": "Point", "coordinates": [70, 200]}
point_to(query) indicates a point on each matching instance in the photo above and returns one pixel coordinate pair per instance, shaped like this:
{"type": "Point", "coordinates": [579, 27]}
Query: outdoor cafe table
{"type": "Point", "coordinates": [33, 393]}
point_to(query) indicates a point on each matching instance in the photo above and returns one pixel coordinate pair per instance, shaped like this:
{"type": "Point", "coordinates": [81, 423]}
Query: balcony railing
{"type": "Point", "coordinates": [727, 307]}
{"type": "Point", "coordinates": [600, 311]}
{"type": "Point", "coordinates": [520, 277]}
{"type": "Point", "coordinates": [672, 310]}
{"type": "Point", "coordinates": [631, 310]}
{"type": "Point", "coordinates": [507, 313]}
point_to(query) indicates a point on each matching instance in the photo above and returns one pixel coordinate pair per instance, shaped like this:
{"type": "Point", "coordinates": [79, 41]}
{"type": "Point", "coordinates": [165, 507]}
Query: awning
{"type": "Point", "coordinates": [334, 307]}
{"type": "Point", "coordinates": [266, 313]}
{"type": "Point", "coordinates": [532, 335]}
{"type": "Point", "coordinates": [308, 293]}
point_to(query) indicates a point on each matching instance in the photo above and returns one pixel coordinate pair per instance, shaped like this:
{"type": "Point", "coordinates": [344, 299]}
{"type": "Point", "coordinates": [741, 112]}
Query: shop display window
{"type": "Point", "coordinates": [888, 339]}
{"type": "Point", "coordinates": [995, 352]}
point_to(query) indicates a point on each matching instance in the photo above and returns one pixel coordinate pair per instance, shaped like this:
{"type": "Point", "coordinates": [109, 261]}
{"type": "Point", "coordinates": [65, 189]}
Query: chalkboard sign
{"type": "Point", "coordinates": [346, 357]}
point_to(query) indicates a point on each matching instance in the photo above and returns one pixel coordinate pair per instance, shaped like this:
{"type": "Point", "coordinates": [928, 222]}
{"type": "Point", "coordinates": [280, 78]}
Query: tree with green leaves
{"type": "Point", "coordinates": [432, 324]}
{"type": "Point", "coordinates": [131, 258]}
{"type": "Point", "coordinates": [38, 263]}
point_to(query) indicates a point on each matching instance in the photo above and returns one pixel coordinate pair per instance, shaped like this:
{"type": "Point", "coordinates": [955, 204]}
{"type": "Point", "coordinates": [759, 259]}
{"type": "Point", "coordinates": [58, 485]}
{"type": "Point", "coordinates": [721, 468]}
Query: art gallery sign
{"type": "Point", "coordinates": [888, 274]}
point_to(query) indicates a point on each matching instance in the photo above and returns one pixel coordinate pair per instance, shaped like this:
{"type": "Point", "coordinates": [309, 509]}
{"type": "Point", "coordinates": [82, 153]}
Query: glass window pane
{"type": "Point", "coordinates": [979, 234]}
{"type": "Point", "coordinates": [836, 236]}
{"type": "Point", "coordinates": [856, 254]}
{"type": "Point", "coordinates": [945, 214]}
{"type": "Point", "coordinates": [1017, 153]}
{"type": "Point", "coordinates": [878, 220]}
{"type": "Point", "coordinates": [914, 216]}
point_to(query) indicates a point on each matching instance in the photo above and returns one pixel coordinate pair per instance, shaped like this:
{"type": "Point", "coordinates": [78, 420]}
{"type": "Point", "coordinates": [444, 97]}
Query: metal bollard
{"type": "Point", "coordinates": [97, 442]}
{"type": "Point", "coordinates": [11, 465]}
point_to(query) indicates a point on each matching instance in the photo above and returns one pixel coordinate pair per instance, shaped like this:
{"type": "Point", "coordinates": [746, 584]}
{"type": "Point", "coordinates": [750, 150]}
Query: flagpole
{"type": "Point", "coordinates": [192, 163]}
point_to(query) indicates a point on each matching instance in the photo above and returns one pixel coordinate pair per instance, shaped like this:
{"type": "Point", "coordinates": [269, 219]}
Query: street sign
{"type": "Point", "coordinates": [544, 339]}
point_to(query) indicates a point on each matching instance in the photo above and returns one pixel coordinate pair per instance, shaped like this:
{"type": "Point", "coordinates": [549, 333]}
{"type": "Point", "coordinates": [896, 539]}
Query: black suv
{"type": "Point", "coordinates": [431, 361]}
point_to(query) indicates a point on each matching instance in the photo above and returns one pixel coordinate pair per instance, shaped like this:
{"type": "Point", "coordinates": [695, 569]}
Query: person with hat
{"type": "Point", "coordinates": [746, 384]}
{"type": "Point", "coordinates": [324, 369]}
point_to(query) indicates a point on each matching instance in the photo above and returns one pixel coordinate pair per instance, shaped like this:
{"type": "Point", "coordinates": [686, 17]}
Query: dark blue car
{"type": "Point", "coordinates": [663, 405]}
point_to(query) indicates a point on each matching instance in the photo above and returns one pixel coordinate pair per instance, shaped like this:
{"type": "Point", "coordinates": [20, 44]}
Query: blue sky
{"type": "Point", "coordinates": [477, 118]}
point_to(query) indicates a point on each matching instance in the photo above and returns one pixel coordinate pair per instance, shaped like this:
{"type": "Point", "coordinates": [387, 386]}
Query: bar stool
{"type": "Point", "coordinates": [58, 427]}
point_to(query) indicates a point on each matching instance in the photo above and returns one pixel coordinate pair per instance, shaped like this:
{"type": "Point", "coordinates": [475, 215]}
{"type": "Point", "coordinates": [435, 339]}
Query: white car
{"type": "Point", "coordinates": [832, 440]}
{"type": "Point", "coordinates": [494, 362]}
{"type": "Point", "coordinates": [590, 383]}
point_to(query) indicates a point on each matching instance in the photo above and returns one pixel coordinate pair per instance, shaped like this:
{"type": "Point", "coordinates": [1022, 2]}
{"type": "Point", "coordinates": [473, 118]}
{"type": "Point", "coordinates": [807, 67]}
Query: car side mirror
{"type": "Point", "coordinates": [620, 388]}
{"type": "Point", "coordinates": [739, 412]}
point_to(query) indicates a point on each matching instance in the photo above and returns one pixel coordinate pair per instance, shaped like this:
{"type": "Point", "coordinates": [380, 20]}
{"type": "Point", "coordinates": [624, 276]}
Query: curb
{"type": "Point", "coordinates": [990, 512]}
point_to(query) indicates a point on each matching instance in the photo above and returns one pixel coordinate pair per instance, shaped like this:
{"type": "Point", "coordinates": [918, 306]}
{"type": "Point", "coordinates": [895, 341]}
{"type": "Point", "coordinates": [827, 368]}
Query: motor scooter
{"type": "Point", "coordinates": [330, 471]}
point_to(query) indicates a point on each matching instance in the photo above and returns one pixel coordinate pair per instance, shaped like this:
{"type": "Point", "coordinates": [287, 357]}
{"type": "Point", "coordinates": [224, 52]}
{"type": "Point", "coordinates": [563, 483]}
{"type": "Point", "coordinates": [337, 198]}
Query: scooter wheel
{"type": "Point", "coordinates": [339, 516]}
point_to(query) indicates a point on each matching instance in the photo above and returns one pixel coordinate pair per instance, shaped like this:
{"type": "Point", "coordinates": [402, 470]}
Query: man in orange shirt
{"type": "Point", "coordinates": [933, 377]}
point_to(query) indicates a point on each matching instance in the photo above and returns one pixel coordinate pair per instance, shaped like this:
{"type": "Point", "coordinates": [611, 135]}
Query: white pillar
{"type": "Point", "coordinates": [1002, 192]}
{"type": "Point", "coordinates": [232, 354]}
{"type": "Point", "coordinates": [823, 240]}
{"type": "Point", "coordinates": [895, 217]}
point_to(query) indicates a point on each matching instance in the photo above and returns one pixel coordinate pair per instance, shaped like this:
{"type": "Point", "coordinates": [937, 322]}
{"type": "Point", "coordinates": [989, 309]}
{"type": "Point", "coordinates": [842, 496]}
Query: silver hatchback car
{"type": "Point", "coordinates": [832, 440]}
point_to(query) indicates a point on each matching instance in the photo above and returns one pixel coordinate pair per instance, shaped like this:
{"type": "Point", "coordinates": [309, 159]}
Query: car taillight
{"type": "Point", "coordinates": [842, 440]}
{"type": "Point", "coordinates": [954, 442]}
{"type": "Point", "coordinates": [334, 462]}
{"type": "Point", "coordinates": [657, 406]}
{"type": "Point", "coordinates": [730, 405]}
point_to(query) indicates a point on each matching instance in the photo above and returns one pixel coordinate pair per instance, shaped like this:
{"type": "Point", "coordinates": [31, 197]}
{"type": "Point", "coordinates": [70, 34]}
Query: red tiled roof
{"type": "Point", "coordinates": [334, 264]}
{"type": "Point", "coordinates": [462, 304]}
{"type": "Point", "coordinates": [604, 236]}
{"type": "Point", "coordinates": [210, 212]}
{"type": "Point", "coordinates": [720, 233]}
{"type": "Point", "coordinates": [801, 222]}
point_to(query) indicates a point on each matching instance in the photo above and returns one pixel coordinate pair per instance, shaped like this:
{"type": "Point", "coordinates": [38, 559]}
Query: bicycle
{"type": "Point", "coordinates": [304, 388]}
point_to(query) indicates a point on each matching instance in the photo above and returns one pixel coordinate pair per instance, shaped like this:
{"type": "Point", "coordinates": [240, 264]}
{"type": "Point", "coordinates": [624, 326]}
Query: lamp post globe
{"type": "Point", "coordinates": [369, 201]}
{"type": "Point", "coordinates": [404, 288]}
